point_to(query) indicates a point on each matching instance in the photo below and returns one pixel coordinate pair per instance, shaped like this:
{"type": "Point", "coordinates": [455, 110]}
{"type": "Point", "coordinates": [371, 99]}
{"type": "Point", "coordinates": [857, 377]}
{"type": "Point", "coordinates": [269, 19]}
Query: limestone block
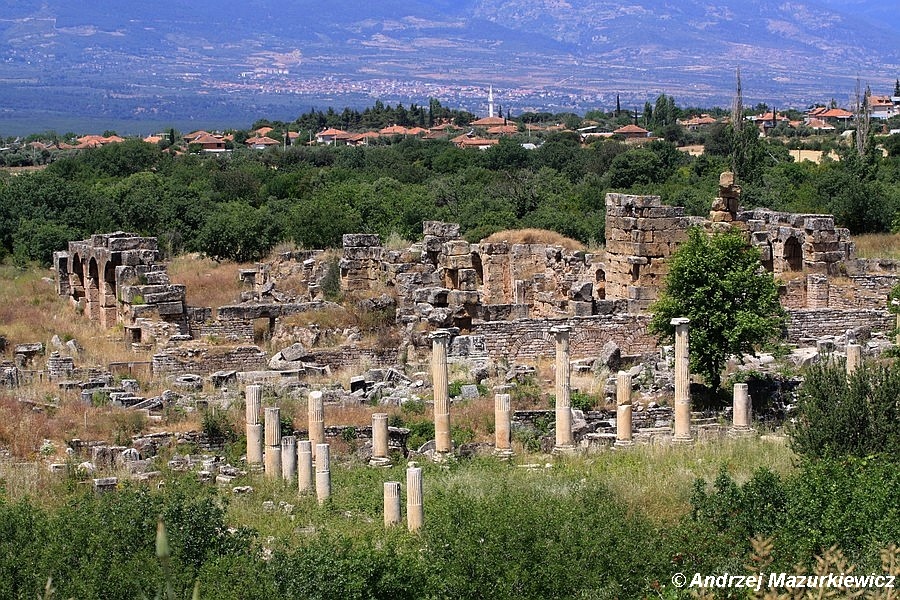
{"type": "Point", "coordinates": [363, 252]}
{"type": "Point", "coordinates": [170, 308]}
{"type": "Point", "coordinates": [468, 280]}
{"type": "Point", "coordinates": [457, 248]}
{"type": "Point", "coordinates": [494, 248]}
{"type": "Point", "coordinates": [581, 309]}
{"type": "Point", "coordinates": [457, 262]}
{"type": "Point", "coordinates": [460, 298]}
{"type": "Point", "coordinates": [440, 229]}
{"type": "Point", "coordinates": [351, 240]}
{"type": "Point", "coordinates": [176, 294]}
{"type": "Point", "coordinates": [820, 222]}
{"type": "Point", "coordinates": [432, 243]}
{"type": "Point", "coordinates": [642, 293]}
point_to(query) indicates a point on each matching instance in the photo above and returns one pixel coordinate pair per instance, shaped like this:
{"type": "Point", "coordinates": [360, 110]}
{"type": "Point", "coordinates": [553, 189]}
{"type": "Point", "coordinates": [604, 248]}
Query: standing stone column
{"type": "Point", "coordinates": [391, 503]}
{"type": "Point", "coordinates": [439, 341]}
{"type": "Point", "coordinates": [502, 432]}
{"type": "Point", "coordinates": [253, 395]}
{"type": "Point", "coordinates": [273, 442]}
{"type": "Point", "coordinates": [323, 473]}
{"type": "Point", "coordinates": [623, 410]}
{"type": "Point", "coordinates": [380, 456]}
{"type": "Point", "coordinates": [304, 466]}
{"type": "Point", "coordinates": [741, 410]}
{"type": "Point", "coordinates": [288, 457]}
{"type": "Point", "coordinates": [316, 411]}
{"type": "Point", "coordinates": [682, 381]}
{"type": "Point", "coordinates": [854, 358]}
{"type": "Point", "coordinates": [564, 440]}
{"type": "Point", "coordinates": [415, 514]}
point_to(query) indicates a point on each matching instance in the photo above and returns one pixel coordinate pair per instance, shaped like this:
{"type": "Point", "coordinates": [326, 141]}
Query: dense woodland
{"type": "Point", "coordinates": [238, 206]}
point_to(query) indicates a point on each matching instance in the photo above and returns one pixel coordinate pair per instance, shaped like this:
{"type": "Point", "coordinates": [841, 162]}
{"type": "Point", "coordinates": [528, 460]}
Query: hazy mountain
{"type": "Point", "coordinates": [214, 61]}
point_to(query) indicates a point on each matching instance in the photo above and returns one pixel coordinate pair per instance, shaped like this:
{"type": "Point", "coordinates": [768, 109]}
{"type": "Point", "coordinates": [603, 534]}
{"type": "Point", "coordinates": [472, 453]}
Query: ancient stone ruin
{"type": "Point", "coordinates": [500, 300]}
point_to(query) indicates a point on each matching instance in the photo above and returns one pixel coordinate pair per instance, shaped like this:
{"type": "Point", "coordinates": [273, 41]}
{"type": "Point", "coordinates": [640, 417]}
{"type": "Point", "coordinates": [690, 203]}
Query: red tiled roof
{"type": "Point", "coordinates": [503, 130]}
{"type": "Point", "coordinates": [489, 122]}
{"type": "Point", "coordinates": [262, 141]}
{"type": "Point", "coordinates": [394, 130]}
{"type": "Point", "coordinates": [631, 130]}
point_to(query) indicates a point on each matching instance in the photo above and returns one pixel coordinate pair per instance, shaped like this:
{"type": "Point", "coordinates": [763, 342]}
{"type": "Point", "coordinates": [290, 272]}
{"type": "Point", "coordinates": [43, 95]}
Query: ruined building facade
{"type": "Point", "coordinates": [502, 297]}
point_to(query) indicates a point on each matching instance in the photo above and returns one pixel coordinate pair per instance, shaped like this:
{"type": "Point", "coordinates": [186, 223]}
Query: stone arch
{"type": "Point", "coordinates": [108, 299]}
{"type": "Point", "coordinates": [600, 284]}
{"type": "Point", "coordinates": [767, 261]}
{"type": "Point", "coordinates": [479, 269]}
{"type": "Point", "coordinates": [532, 339]}
{"type": "Point", "coordinates": [76, 277]}
{"type": "Point", "coordinates": [792, 253]}
{"type": "Point", "coordinates": [92, 290]}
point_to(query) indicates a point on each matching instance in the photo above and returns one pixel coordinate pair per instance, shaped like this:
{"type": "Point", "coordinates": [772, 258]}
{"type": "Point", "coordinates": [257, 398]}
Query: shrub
{"type": "Point", "coordinates": [839, 416]}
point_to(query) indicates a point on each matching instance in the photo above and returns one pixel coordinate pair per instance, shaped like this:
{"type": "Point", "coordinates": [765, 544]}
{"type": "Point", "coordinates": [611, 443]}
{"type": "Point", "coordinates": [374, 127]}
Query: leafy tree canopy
{"type": "Point", "coordinates": [718, 283]}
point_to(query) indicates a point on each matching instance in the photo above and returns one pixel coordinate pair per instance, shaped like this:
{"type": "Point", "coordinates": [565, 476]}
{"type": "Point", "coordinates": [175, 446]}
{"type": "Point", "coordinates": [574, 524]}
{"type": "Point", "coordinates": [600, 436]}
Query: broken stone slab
{"type": "Point", "coordinates": [189, 381]}
{"type": "Point", "coordinates": [221, 378]}
{"type": "Point", "coordinates": [30, 349]}
{"type": "Point", "coordinates": [293, 352]}
{"type": "Point", "coordinates": [610, 355]}
{"type": "Point", "coordinates": [468, 391]}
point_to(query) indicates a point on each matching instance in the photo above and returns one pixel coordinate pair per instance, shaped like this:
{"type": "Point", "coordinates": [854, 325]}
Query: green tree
{"type": "Point", "coordinates": [839, 416]}
{"type": "Point", "coordinates": [238, 232]}
{"type": "Point", "coordinates": [718, 283]}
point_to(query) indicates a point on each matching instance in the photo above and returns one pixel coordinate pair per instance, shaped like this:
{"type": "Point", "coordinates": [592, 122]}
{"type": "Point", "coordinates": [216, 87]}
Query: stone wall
{"type": "Point", "coordinates": [203, 359]}
{"type": "Point", "coordinates": [641, 236]}
{"type": "Point", "coordinates": [806, 325]}
{"type": "Point", "coordinates": [531, 338]}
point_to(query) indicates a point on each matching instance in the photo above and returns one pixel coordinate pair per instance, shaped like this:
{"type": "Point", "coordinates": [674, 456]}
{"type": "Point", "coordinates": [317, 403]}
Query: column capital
{"type": "Point", "coordinates": [440, 334]}
{"type": "Point", "coordinates": [561, 329]}
{"type": "Point", "coordinates": [679, 321]}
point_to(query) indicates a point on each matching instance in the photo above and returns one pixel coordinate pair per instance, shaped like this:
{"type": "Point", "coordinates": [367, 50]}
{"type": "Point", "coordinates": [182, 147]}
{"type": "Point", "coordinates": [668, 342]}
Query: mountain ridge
{"type": "Point", "coordinates": [172, 61]}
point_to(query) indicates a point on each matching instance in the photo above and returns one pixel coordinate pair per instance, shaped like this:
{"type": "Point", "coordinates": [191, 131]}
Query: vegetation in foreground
{"type": "Point", "coordinates": [611, 525]}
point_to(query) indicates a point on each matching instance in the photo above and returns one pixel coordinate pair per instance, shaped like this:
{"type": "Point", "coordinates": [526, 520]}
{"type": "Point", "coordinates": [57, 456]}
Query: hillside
{"type": "Point", "coordinates": [234, 61]}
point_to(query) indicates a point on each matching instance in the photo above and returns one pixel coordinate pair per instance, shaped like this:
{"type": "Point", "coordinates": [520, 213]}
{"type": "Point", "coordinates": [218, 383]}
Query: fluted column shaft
{"type": "Point", "coordinates": [414, 510]}
{"type": "Point", "coordinates": [380, 435]}
{"type": "Point", "coordinates": [564, 438]}
{"type": "Point", "coordinates": [273, 442]}
{"type": "Point", "coordinates": [316, 412]}
{"type": "Point", "coordinates": [288, 457]}
{"type": "Point", "coordinates": [304, 466]}
{"type": "Point", "coordinates": [741, 407]}
{"type": "Point", "coordinates": [253, 395]}
{"type": "Point", "coordinates": [323, 473]}
{"type": "Point", "coordinates": [682, 381]}
{"type": "Point", "coordinates": [623, 409]}
{"type": "Point", "coordinates": [439, 341]}
{"type": "Point", "coordinates": [854, 357]}
{"type": "Point", "coordinates": [391, 503]}
{"type": "Point", "coordinates": [502, 431]}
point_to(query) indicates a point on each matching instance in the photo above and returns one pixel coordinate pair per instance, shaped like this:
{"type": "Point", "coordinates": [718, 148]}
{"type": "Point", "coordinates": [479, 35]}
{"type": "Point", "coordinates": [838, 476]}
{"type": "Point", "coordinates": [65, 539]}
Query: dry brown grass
{"type": "Point", "coordinates": [878, 245]}
{"type": "Point", "coordinates": [23, 429]}
{"type": "Point", "coordinates": [534, 236]}
{"type": "Point", "coordinates": [30, 311]}
{"type": "Point", "coordinates": [208, 282]}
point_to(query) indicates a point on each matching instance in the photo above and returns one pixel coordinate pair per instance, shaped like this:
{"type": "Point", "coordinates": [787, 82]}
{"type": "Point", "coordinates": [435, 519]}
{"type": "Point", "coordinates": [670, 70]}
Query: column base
{"type": "Point", "coordinates": [686, 440]}
{"type": "Point", "coordinates": [564, 450]}
{"type": "Point", "coordinates": [380, 461]}
{"type": "Point", "coordinates": [442, 457]}
{"type": "Point", "coordinates": [623, 444]}
{"type": "Point", "coordinates": [741, 432]}
{"type": "Point", "coordinates": [504, 453]}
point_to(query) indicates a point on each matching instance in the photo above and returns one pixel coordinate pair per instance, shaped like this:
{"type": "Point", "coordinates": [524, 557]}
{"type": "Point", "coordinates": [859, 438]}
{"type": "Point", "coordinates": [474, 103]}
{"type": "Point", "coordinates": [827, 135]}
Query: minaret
{"type": "Point", "coordinates": [491, 101]}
